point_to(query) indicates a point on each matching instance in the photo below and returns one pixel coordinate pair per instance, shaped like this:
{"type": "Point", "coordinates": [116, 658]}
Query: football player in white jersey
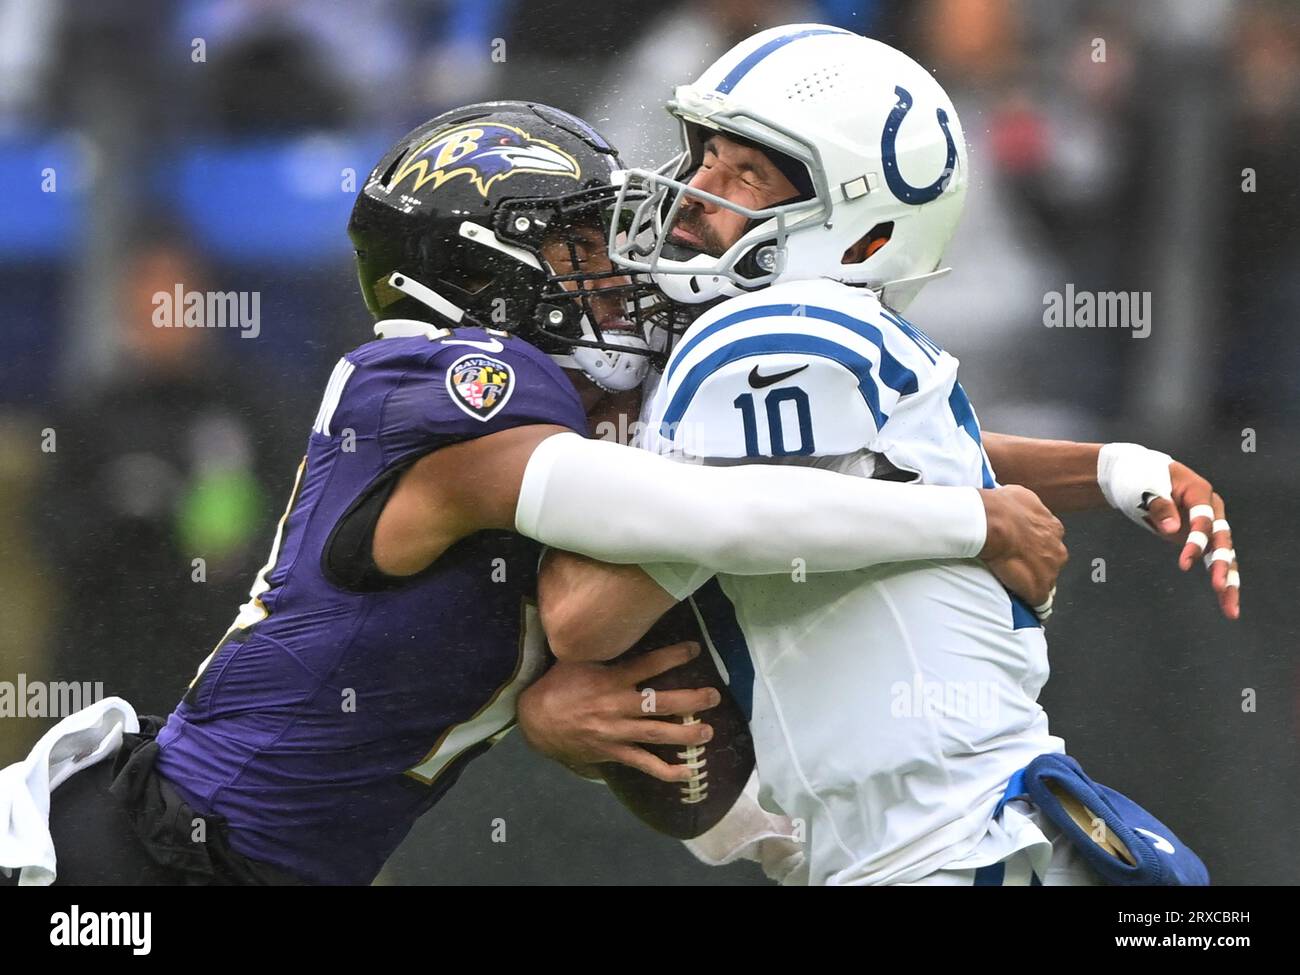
{"type": "Point", "coordinates": [891, 707]}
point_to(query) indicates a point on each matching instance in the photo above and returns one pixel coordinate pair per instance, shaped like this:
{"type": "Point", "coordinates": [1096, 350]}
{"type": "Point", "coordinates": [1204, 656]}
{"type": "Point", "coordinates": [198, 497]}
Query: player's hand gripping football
{"type": "Point", "coordinates": [582, 714]}
{"type": "Point", "coordinates": [1024, 545]}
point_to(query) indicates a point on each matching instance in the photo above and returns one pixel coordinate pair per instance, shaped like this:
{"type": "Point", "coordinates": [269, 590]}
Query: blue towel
{"type": "Point", "coordinates": [1162, 858]}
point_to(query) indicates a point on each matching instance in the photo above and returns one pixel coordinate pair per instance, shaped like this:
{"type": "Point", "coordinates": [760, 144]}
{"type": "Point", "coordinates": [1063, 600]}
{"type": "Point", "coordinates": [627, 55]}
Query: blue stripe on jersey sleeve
{"type": "Point", "coordinates": [766, 344]}
{"type": "Point", "coordinates": [926, 344]}
{"type": "Point", "coordinates": [893, 373]}
{"type": "Point", "coordinates": [962, 411]}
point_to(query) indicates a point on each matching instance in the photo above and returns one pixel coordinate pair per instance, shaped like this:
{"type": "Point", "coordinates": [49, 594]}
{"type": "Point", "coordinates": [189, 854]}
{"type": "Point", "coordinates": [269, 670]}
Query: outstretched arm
{"type": "Point", "coordinates": [1149, 487]}
{"type": "Point", "coordinates": [1061, 472]}
{"type": "Point", "coordinates": [627, 506]}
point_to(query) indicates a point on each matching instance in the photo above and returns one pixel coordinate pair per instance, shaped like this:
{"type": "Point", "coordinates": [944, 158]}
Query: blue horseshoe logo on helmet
{"type": "Point", "coordinates": [900, 187]}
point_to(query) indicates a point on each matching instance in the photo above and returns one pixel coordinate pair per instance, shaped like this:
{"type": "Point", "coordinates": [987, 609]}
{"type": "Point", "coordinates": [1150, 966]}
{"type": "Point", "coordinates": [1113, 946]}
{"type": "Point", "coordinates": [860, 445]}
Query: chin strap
{"type": "Point", "coordinates": [408, 328]}
{"type": "Point", "coordinates": [612, 370]}
{"type": "Point", "coordinates": [426, 296]}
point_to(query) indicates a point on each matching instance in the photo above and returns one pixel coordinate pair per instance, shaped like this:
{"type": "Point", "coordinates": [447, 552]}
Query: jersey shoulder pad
{"type": "Point", "coordinates": [797, 369]}
{"type": "Point", "coordinates": [417, 393]}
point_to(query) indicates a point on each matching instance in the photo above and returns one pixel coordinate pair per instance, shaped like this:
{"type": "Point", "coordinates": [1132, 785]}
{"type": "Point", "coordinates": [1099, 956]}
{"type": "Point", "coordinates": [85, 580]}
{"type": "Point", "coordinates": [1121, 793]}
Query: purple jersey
{"type": "Point", "coordinates": [329, 719]}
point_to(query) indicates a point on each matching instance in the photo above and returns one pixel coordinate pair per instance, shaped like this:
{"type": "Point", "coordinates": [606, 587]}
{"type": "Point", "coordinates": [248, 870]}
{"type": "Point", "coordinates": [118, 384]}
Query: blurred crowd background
{"type": "Point", "coordinates": [218, 145]}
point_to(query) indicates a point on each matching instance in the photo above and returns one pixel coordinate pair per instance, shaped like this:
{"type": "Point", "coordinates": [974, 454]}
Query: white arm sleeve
{"type": "Point", "coordinates": [623, 505]}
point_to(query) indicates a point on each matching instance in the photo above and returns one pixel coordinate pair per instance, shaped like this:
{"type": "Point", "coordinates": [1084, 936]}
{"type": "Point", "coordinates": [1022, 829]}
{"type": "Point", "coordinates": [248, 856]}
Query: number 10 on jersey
{"type": "Point", "coordinates": [779, 422]}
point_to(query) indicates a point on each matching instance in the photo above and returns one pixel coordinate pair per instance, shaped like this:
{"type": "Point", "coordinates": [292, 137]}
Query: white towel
{"type": "Point", "coordinates": [77, 742]}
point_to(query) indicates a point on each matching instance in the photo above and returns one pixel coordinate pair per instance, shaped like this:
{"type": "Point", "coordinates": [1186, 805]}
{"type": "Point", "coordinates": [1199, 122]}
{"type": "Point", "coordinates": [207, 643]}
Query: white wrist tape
{"type": "Point", "coordinates": [623, 505]}
{"type": "Point", "coordinates": [1044, 611]}
{"type": "Point", "coordinates": [1128, 472]}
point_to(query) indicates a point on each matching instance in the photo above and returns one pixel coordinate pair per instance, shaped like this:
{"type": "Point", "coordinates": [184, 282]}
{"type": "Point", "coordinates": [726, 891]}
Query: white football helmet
{"type": "Point", "coordinates": [880, 140]}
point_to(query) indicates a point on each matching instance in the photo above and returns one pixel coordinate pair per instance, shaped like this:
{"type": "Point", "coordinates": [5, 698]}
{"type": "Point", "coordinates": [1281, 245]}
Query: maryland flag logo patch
{"type": "Point", "coordinates": [480, 385]}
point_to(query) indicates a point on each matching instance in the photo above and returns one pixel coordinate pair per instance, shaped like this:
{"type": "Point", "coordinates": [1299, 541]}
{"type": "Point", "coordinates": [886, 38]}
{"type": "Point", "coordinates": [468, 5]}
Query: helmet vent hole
{"type": "Point", "coordinates": [815, 84]}
{"type": "Point", "coordinates": [387, 178]}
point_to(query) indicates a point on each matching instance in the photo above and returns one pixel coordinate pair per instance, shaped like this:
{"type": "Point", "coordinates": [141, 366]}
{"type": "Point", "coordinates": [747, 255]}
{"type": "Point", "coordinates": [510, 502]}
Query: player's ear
{"type": "Point", "coordinates": [868, 243]}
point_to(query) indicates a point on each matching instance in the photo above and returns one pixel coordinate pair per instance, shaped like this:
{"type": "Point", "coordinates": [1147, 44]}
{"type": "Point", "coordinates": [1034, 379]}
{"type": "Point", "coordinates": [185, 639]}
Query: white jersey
{"type": "Point", "coordinates": [889, 706]}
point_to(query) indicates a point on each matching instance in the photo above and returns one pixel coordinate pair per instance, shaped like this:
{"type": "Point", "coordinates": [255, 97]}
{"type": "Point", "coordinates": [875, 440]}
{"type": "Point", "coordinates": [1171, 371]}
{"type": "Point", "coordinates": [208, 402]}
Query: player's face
{"type": "Point", "coordinates": [581, 249]}
{"type": "Point", "coordinates": [739, 174]}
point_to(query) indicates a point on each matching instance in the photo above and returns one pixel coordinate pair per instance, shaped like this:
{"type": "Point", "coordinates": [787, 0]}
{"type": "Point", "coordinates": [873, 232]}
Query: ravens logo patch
{"type": "Point", "coordinates": [480, 385]}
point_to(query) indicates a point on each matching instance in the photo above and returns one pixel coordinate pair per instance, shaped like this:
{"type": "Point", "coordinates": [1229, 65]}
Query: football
{"type": "Point", "coordinates": [722, 765]}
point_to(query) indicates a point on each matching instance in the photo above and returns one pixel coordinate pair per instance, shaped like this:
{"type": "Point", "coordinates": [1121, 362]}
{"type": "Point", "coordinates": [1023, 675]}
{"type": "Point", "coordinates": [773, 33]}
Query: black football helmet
{"type": "Point", "coordinates": [449, 229]}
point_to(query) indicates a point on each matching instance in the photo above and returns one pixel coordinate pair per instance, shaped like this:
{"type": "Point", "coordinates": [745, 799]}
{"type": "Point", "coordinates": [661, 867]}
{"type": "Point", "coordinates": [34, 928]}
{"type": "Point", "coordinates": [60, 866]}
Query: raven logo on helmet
{"type": "Point", "coordinates": [486, 217]}
{"type": "Point", "coordinates": [486, 154]}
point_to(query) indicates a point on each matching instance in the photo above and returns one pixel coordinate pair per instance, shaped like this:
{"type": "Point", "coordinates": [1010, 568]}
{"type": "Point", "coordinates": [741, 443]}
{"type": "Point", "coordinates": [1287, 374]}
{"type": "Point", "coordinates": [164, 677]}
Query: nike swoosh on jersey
{"type": "Point", "coordinates": [759, 382]}
{"type": "Point", "coordinates": [1161, 844]}
{"type": "Point", "coordinates": [491, 345]}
